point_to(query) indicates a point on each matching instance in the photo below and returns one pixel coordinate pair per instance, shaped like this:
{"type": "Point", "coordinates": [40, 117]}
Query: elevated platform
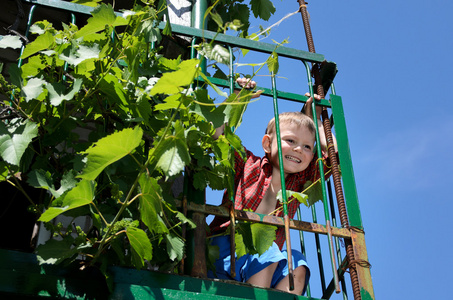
{"type": "Point", "coordinates": [21, 277]}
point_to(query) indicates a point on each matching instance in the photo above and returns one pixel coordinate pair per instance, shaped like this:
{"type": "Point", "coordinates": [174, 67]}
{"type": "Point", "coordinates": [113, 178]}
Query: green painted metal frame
{"type": "Point", "coordinates": [335, 104]}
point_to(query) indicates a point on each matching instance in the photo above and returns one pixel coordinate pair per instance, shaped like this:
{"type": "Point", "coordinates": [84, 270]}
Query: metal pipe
{"type": "Point", "coordinates": [331, 152]}
{"type": "Point", "coordinates": [283, 189]}
{"type": "Point", "coordinates": [323, 185]}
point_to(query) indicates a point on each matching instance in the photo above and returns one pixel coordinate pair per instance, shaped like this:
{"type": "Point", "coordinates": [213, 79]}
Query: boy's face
{"type": "Point", "coordinates": [297, 147]}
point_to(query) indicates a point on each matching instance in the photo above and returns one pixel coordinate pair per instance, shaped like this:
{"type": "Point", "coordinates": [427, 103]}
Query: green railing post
{"type": "Point", "coordinates": [196, 241]}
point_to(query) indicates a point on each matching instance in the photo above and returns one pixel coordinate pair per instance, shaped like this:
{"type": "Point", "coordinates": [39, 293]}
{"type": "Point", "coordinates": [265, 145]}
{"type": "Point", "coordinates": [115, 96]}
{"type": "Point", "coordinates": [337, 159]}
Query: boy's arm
{"type": "Point", "coordinates": [308, 112]}
{"type": "Point", "coordinates": [245, 83]}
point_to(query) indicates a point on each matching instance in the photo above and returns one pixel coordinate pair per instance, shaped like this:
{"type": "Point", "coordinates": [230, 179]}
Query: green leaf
{"type": "Point", "coordinates": [272, 63]}
{"type": "Point", "coordinates": [3, 171]}
{"type": "Point", "coordinates": [262, 9]}
{"type": "Point", "coordinates": [150, 207]}
{"type": "Point", "coordinates": [215, 87]}
{"type": "Point", "coordinates": [208, 111]}
{"type": "Point", "coordinates": [15, 140]}
{"type": "Point", "coordinates": [234, 140]}
{"type": "Point", "coordinates": [216, 18]}
{"type": "Point", "coordinates": [149, 31]}
{"type": "Point", "coordinates": [112, 87]}
{"type": "Point", "coordinates": [33, 89]}
{"type": "Point", "coordinates": [42, 42]}
{"type": "Point", "coordinates": [140, 245]}
{"type": "Point", "coordinates": [313, 191]}
{"type": "Point", "coordinates": [236, 109]}
{"type": "Point", "coordinates": [263, 236]}
{"type": "Point", "coordinates": [171, 102]}
{"type": "Point", "coordinates": [10, 41]}
{"type": "Point", "coordinates": [57, 89]}
{"type": "Point", "coordinates": [54, 252]}
{"type": "Point", "coordinates": [172, 155]}
{"type": "Point", "coordinates": [185, 220]}
{"type": "Point", "coordinates": [216, 52]}
{"type": "Point", "coordinates": [175, 82]}
{"type": "Point", "coordinates": [41, 179]}
{"type": "Point", "coordinates": [15, 75]}
{"type": "Point", "coordinates": [82, 194]}
{"type": "Point", "coordinates": [102, 16]}
{"type": "Point", "coordinates": [302, 198]}
{"type": "Point", "coordinates": [254, 238]}
{"type": "Point", "coordinates": [76, 56]}
{"type": "Point", "coordinates": [109, 150]}
{"type": "Point", "coordinates": [175, 247]}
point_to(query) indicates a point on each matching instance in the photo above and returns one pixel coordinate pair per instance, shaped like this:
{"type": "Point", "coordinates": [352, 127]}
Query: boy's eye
{"type": "Point", "coordinates": [307, 147]}
{"type": "Point", "coordinates": [290, 141]}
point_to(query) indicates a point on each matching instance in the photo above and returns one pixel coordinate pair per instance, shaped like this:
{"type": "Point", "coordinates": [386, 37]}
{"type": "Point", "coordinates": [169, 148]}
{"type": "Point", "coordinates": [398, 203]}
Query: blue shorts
{"type": "Point", "coordinates": [248, 265]}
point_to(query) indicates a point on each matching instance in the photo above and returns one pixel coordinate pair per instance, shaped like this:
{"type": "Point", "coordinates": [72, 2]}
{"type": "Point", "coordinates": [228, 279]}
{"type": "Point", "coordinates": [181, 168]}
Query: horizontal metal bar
{"type": "Point", "coordinates": [72, 7]}
{"type": "Point", "coordinates": [270, 220]}
{"type": "Point", "coordinates": [268, 92]}
{"type": "Point", "coordinates": [245, 43]}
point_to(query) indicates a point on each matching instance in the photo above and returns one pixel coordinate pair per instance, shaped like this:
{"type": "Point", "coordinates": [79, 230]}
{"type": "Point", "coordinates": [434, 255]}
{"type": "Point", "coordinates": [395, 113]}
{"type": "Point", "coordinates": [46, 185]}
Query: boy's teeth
{"type": "Point", "coordinates": [293, 158]}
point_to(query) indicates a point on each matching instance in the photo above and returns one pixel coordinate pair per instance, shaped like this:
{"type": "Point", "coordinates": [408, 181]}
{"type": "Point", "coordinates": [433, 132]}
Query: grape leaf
{"type": "Point", "coordinates": [10, 41]}
{"type": "Point", "coordinates": [109, 150]}
{"type": "Point", "coordinates": [33, 88]}
{"type": "Point", "coordinates": [42, 42]}
{"type": "Point", "coordinates": [14, 143]}
{"type": "Point", "coordinates": [54, 252]}
{"type": "Point", "coordinates": [140, 245]}
{"type": "Point", "coordinates": [175, 82]}
{"type": "Point", "coordinates": [102, 16]}
{"type": "Point", "coordinates": [82, 194]}
{"type": "Point", "coordinates": [172, 155]}
{"type": "Point", "coordinates": [302, 198]}
{"type": "Point", "coordinates": [262, 9]}
{"type": "Point", "coordinates": [57, 89]}
{"type": "Point", "coordinates": [314, 192]}
{"type": "Point", "coordinates": [151, 195]}
{"type": "Point", "coordinates": [254, 238]}
{"type": "Point", "coordinates": [175, 247]}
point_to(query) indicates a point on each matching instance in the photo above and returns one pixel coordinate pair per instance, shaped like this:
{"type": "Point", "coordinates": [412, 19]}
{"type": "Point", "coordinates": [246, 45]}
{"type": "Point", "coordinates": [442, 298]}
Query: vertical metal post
{"type": "Point", "coordinates": [360, 264]}
{"type": "Point", "coordinates": [232, 207]}
{"type": "Point", "coordinates": [283, 189]}
{"type": "Point", "coordinates": [323, 185]}
{"type": "Point", "coordinates": [197, 250]}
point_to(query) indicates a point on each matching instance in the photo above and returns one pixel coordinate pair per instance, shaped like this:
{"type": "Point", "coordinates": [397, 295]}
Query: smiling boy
{"type": "Point", "coordinates": [257, 182]}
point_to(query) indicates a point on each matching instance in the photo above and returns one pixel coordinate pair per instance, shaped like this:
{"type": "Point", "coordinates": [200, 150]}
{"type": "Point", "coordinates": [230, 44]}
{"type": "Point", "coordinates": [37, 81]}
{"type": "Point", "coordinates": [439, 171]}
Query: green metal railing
{"type": "Point", "coordinates": [196, 200]}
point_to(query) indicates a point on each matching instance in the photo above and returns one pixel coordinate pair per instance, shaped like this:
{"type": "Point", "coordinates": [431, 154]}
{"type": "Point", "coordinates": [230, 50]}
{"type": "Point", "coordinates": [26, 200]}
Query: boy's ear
{"type": "Point", "coordinates": [266, 143]}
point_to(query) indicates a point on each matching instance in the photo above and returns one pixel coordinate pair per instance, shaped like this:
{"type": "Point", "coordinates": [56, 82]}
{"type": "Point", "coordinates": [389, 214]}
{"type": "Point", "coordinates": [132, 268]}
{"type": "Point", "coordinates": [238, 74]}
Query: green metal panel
{"type": "Point", "coordinates": [21, 277]}
{"type": "Point", "coordinates": [68, 6]}
{"type": "Point", "coordinates": [169, 286]}
{"type": "Point", "coordinates": [350, 190]}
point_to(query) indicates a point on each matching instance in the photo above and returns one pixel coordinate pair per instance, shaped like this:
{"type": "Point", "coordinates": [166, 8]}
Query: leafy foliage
{"type": "Point", "coordinates": [235, 15]}
{"type": "Point", "coordinates": [103, 123]}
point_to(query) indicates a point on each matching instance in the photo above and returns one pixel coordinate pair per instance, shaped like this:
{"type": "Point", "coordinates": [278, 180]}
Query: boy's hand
{"type": "Point", "coordinates": [247, 83]}
{"type": "Point", "coordinates": [307, 107]}
{"type": "Point", "coordinates": [308, 111]}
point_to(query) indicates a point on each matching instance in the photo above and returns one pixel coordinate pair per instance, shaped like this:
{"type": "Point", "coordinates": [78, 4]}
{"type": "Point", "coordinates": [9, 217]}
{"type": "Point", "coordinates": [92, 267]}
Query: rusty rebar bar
{"type": "Point", "coordinates": [331, 152]}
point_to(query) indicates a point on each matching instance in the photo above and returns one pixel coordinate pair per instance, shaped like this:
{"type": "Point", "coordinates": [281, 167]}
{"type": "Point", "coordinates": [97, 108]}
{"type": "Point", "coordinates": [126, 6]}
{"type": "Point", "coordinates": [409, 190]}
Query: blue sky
{"type": "Point", "coordinates": [395, 74]}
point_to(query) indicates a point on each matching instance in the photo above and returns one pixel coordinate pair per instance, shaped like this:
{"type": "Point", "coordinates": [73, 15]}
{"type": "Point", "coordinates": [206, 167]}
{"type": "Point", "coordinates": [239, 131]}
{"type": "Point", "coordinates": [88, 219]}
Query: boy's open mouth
{"type": "Point", "coordinates": [292, 158]}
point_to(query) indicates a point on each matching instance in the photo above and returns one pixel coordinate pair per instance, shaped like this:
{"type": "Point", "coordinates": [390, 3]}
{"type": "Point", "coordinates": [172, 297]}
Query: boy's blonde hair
{"type": "Point", "coordinates": [297, 118]}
